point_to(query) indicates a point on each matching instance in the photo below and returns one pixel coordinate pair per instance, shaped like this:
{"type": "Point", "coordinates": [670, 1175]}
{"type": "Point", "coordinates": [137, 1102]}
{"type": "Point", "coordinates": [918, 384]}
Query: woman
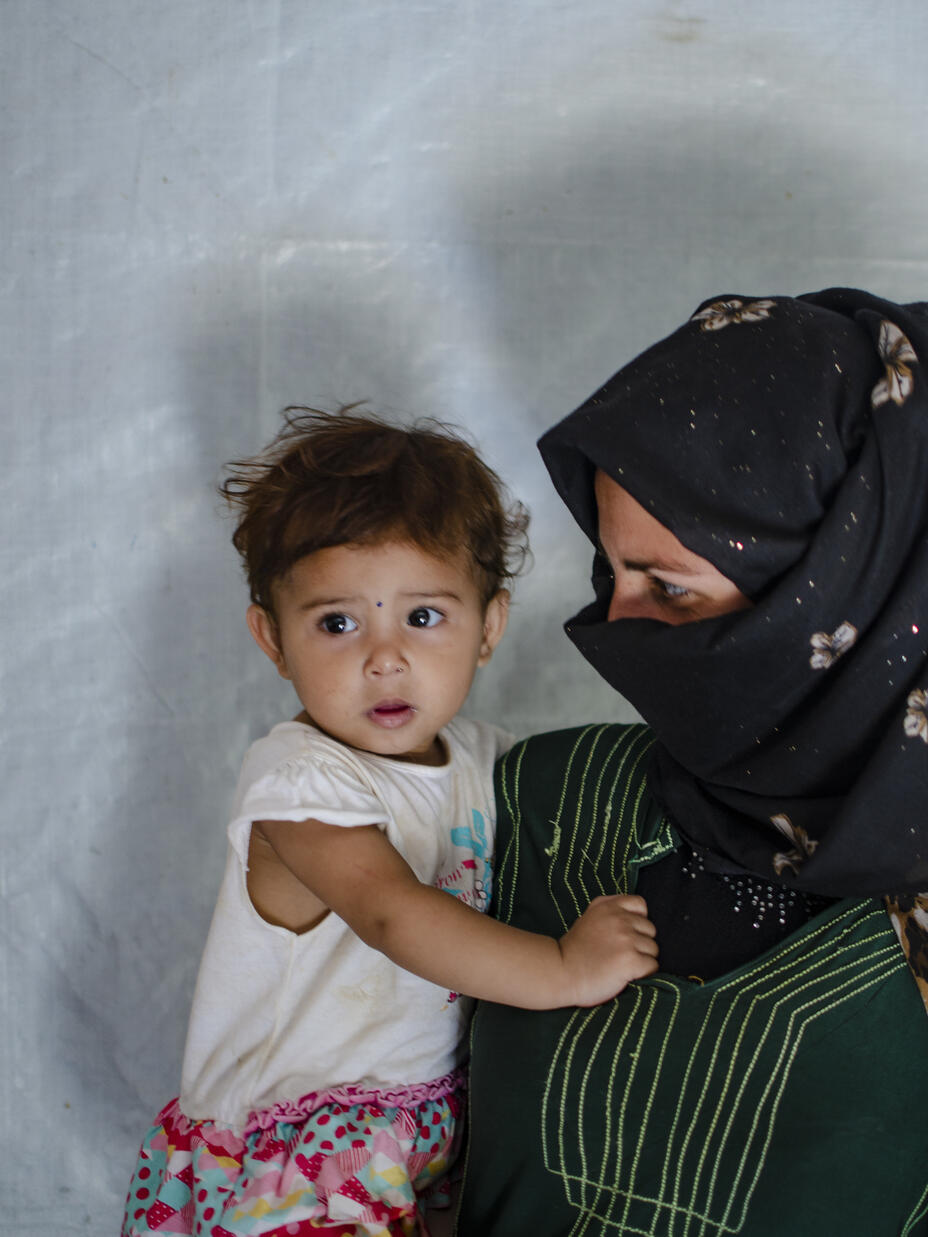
{"type": "Point", "coordinates": [756, 487]}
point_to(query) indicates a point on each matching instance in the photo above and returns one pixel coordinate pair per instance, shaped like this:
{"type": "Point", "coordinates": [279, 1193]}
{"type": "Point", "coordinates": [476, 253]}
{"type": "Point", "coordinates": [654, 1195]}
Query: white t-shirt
{"type": "Point", "coordinates": [278, 1015]}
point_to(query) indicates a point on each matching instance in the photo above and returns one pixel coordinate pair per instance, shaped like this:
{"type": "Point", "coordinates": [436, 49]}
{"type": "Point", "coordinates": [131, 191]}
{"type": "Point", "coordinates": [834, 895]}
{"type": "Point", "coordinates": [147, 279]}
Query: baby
{"type": "Point", "coordinates": [322, 1082]}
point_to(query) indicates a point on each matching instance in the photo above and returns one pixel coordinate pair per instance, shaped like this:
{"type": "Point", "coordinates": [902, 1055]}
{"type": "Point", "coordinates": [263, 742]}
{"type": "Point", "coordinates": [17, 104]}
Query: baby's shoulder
{"type": "Point", "coordinates": [483, 740]}
{"type": "Point", "coordinates": [293, 758]}
{"type": "Point", "coordinates": [291, 742]}
{"type": "Point", "coordinates": [297, 773]}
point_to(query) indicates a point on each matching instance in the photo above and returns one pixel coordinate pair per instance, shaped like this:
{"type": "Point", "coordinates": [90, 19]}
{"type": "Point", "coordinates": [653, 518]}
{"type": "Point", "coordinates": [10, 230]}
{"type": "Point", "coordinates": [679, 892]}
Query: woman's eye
{"type": "Point", "coordinates": [424, 616]}
{"type": "Point", "coordinates": [337, 624]}
{"type": "Point", "coordinates": [671, 590]}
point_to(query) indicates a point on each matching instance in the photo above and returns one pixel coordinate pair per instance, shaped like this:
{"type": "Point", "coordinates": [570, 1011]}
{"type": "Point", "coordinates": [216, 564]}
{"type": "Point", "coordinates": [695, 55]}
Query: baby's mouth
{"type": "Point", "coordinates": [391, 713]}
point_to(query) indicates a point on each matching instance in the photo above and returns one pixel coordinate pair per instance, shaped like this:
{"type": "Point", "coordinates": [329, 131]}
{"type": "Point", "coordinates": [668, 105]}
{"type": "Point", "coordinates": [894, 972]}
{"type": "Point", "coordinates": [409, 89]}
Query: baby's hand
{"type": "Point", "coordinates": [612, 943]}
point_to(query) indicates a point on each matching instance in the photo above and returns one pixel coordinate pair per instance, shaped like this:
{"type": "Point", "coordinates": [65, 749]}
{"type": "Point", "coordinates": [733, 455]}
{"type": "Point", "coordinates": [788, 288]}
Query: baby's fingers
{"type": "Point", "coordinates": [628, 908]}
{"type": "Point", "coordinates": [632, 902]}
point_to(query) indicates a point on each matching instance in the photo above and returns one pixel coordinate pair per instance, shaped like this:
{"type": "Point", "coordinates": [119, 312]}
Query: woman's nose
{"type": "Point", "coordinates": [629, 601]}
{"type": "Point", "coordinates": [621, 607]}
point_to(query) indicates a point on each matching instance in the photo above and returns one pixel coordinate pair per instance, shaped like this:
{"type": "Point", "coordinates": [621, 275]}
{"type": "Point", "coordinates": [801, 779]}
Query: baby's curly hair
{"type": "Point", "coordinates": [349, 478]}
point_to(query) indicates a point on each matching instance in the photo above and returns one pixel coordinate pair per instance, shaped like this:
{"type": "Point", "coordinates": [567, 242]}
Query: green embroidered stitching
{"type": "Point", "coordinates": [919, 1213]}
{"type": "Point", "coordinates": [788, 993]}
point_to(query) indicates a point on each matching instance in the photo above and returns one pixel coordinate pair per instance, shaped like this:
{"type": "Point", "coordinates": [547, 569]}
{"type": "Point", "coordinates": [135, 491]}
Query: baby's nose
{"type": "Point", "coordinates": [386, 658]}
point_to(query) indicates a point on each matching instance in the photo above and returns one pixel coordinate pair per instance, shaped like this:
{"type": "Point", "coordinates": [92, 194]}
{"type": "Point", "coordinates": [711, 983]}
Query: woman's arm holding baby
{"type": "Point", "coordinates": [359, 875]}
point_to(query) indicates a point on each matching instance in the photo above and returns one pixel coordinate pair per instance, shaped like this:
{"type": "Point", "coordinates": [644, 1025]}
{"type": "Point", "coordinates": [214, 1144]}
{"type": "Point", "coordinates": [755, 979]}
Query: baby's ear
{"type": "Point", "coordinates": [266, 636]}
{"type": "Point", "coordinates": [495, 619]}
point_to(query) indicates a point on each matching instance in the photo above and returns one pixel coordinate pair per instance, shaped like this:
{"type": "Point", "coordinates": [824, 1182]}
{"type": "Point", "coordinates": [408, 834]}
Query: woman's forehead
{"type": "Point", "coordinates": [633, 537]}
{"type": "Point", "coordinates": [734, 431]}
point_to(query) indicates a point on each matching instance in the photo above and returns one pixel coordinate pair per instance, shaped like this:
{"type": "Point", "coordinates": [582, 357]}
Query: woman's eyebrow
{"type": "Point", "coordinates": [662, 564]}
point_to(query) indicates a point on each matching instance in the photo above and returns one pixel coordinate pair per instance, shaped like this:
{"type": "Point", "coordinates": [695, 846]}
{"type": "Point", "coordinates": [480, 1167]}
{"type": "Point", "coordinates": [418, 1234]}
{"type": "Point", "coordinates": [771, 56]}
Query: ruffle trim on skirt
{"type": "Point", "coordinates": [353, 1093]}
{"type": "Point", "coordinates": [366, 1168]}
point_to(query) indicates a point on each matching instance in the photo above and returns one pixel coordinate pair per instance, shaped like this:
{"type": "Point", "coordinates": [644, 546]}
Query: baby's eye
{"type": "Point", "coordinates": [424, 616]}
{"type": "Point", "coordinates": [337, 624]}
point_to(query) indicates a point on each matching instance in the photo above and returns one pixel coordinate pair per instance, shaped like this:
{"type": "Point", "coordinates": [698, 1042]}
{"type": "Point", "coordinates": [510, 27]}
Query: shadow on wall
{"type": "Point", "coordinates": [198, 698]}
{"type": "Point", "coordinates": [608, 243]}
{"type": "Point", "coordinates": [585, 253]}
{"type": "Point", "coordinates": [590, 248]}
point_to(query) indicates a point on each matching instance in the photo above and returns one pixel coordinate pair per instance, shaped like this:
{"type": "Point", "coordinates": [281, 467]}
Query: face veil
{"type": "Point", "coordinates": [786, 441]}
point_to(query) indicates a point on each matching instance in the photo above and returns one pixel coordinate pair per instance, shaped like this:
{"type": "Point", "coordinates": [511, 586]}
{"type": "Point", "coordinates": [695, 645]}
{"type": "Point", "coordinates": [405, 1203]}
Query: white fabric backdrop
{"type": "Point", "coordinates": [211, 209]}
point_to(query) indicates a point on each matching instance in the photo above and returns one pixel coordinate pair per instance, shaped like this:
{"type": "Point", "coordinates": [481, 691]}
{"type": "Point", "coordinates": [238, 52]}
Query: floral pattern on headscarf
{"type": "Point", "coordinates": [916, 715]}
{"type": "Point", "coordinates": [792, 453]}
{"type": "Point", "coordinates": [897, 354]}
{"type": "Point", "coordinates": [803, 845]}
{"type": "Point", "coordinates": [827, 649]}
{"type": "Point", "coordinates": [728, 313]}
{"type": "Point", "coordinates": [909, 916]}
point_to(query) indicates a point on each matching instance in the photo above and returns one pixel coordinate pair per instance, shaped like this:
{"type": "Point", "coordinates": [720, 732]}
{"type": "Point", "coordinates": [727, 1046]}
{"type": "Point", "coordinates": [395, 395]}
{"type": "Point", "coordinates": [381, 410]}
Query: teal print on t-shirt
{"type": "Point", "coordinates": [475, 841]}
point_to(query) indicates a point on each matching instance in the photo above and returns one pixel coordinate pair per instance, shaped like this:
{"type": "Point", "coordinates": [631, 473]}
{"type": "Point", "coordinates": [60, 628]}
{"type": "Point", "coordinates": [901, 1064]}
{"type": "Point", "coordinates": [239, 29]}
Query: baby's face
{"type": "Point", "coordinates": [381, 643]}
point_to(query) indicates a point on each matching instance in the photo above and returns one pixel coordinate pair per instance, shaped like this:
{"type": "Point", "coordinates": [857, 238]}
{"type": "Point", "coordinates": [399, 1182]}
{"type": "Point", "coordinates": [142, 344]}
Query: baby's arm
{"type": "Point", "coordinates": [359, 875]}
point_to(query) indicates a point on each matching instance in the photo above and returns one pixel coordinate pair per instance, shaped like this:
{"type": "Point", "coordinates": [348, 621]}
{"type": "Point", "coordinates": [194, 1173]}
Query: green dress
{"type": "Point", "coordinates": [784, 1099]}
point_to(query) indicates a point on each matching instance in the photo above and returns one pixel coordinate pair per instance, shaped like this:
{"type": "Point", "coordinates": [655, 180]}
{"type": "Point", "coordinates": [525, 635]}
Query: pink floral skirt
{"type": "Point", "coordinates": [341, 1168]}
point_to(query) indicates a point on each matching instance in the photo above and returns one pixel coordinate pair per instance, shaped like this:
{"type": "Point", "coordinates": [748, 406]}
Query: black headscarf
{"type": "Point", "coordinates": [786, 441]}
